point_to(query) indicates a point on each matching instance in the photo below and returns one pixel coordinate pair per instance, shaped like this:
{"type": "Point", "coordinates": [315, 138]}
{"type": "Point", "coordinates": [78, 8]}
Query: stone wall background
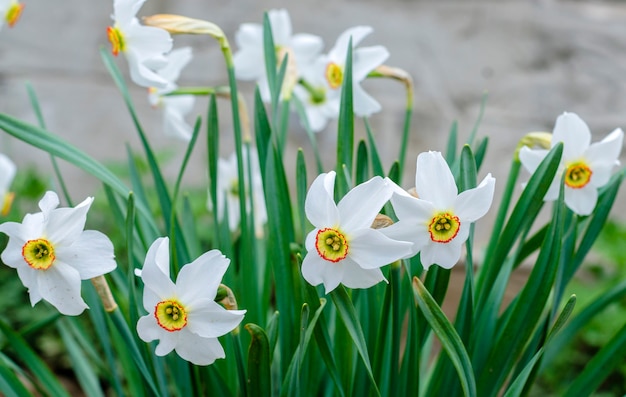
{"type": "Point", "coordinates": [535, 59]}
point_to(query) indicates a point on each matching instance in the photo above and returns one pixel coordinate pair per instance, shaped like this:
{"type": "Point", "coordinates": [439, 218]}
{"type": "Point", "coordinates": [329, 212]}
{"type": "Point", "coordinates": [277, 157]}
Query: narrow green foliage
{"type": "Point", "coordinates": [259, 379]}
{"type": "Point", "coordinates": [345, 133]}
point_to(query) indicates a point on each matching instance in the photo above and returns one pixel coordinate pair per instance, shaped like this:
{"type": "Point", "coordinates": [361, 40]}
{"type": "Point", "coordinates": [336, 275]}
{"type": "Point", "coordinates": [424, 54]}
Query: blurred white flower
{"type": "Point", "coordinates": [365, 59]}
{"type": "Point", "coordinates": [183, 316]}
{"type": "Point", "coordinates": [320, 105]}
{"type": "Point", "coordinates": [7, 173]}
{"type": "Point", "coordinates": [143, 46]}
{"type": "Point", "coordinates": [52, 253]}
{"type": "Point", "coordinates": [438, 222]}
{"type": "Point", "coordinates": [228, 191]}
{"type": "Point", "coordinates": [587, 167]}
{"type": "Point", "coordinates": [343, 248]}
{"type": "Point", "coordinates": [249, 60]}
{"type": "Point", "coordinates": [10, 11]}
{"type": "Point", "coordinates": [175, 107]}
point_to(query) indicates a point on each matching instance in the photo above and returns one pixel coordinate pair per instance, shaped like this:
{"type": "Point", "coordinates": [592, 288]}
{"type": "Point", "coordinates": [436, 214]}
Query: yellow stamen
{"type": "Point", "coordinates": [334, 75]}
{"type": "Point", "coordinates": [116, 37]}
{"type": "Point", "coordinates": [577, 175]}
{"type": "Point", "coordinates": [170, 315]}
{"type": "Point", "coordinates": [331, 244]}
{"type": "Point", "coordinates": [13, 13]}
{"type": "Point", "coordinates": [444, 227]}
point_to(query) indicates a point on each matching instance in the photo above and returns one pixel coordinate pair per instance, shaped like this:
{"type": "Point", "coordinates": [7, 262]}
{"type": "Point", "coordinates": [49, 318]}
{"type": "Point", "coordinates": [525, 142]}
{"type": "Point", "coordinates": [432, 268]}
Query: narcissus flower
{"type": "Point", "coordinates": [438, 222]}
{"type": "Point", "coordinates": [175, 107]}
{"type": "Point", "coordinates": [52, 253]}
{"type": "Point", "coordinates": [250, 58]}
{"type": "Point", "coordinates": [228, 191]}
{"type": "Point", "coordinates": [10, 12]}
{"type": "Point", "coordinates": [7, 173]}
{"type": "Point", "coordinates": [586, 166]}
{"type": "Point", "coordinates": [183, 316]}
{"type": "Point", "coordinates": [144, 46]}
{"type": "Point", "coordinates": [343, 248]}
{"type": "Point", "coordinates": [319, 103]}
{"type": "Point", "coordinates": [364, 60]}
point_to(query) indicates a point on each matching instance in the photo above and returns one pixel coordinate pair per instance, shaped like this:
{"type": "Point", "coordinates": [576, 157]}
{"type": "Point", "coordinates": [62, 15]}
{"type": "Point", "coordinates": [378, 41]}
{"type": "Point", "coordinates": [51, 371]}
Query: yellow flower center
{"type": "Point", "coordinates": [39, 254]}
{"type": "Point", "coordinates": [116, 37]}
{"type": "Point", "coordinates": [334, 75]}
{"type": "Point", "coordinates": [13, 13]}
{"type": "Point", "coordinates": [444, 227]}
{"type": "Point", "coordinates": [331, 244]}
{"type": "Point", "coordinates": [171, 315]}
{"type": "Point", "coordinates": [577, 175]}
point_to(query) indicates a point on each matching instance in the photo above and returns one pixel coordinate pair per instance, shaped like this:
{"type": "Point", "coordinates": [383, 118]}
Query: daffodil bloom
{"type": "Point", "coordinates": [438, 220]}
{"type": "Point", "coordinates": [249, 60]}
{"type": "Point", "coordinates": [174, 107]}
{"type": "Point", "coordinates": [228, 191]}
{"type": "Point", "coordinates": [52, 253]}
{"type": "Point", "coordinates": [183, 315]}
{"type": "Point", "coordinates": [320, 105]}
{"type": "Point", "coordinates": [365, 59]}
{"type": "Point", "coordinates": [7, 173]}
{"type": "Point", "coordinates": [143, 46]}
{"type": "Point", "coordinates": [343, 248]}
{"type": "Point", "coordinates": [10, 12]}
{"type": "Point", "coordinates": [586, 166]}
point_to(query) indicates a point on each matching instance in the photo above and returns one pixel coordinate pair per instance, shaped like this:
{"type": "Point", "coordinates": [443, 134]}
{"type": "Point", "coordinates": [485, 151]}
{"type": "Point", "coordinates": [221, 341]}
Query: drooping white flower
{"type": "Point", "coordinates": [587, 167]}
{"type": "Point", "coordinates": [183, 315]}
{"type": "Point", "coordinates": [319, 103]}
{"type": "Point", "coordinates": [7, 173]}
{"type": "Point", "coordinates": [52, 253]}
{"type": "Point", "coordinates": [249, 60]}
{"type": "Point", "coordinates": [438, 222]}
{"type": "Point", "coordinates": [364, 60]}
{"type": "Point", "coordinates": [175, 107]}
{"type": "Point", "coordinates": [343, 248]}
{"type": "Point", "coordinates": [228, 190]}
{"type": "Point", "coordinates": [144, 46]}
{"type": "Point", "coordinates": [10, 12]}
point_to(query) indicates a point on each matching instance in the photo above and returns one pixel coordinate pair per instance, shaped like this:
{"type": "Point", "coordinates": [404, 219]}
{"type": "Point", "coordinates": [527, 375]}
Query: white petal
{"type": "Point", "coordinates": [338, 53]}
{"type": "Point", "coordinates": [249, 64]}
{"type": "Point", "coordinates": [473, 204]}
{"type": "Point", "coordinates": [306, 47]}
{"type": "Point", "coordinates": [12, 254]}
{"type": "Point", "coordinates": [65, 225]}
{"type": "Point", "coordinates": [434, 181]}
{"type": "Point", "coordinates": [607, 150]}
{"type": "Point", "coordinates": [531, 158]}
{"type": "Point", "coordinates": [410, 208]}
{"type": "Point", "coordinates": [148, 329]}
{"type": "Point", "coordinates": [7, 173]}
{"type": "Point", "coordinates": [444, 255]}
{"type": "Point", "coordinates": [359, 207]}
{"type": "Point", "coordinates": [574, 133]}
{"type": "Point", "coordinates": [200, 279]}
{"type": "Point", "coordinates": [124, 11]}
{"type": "Point", "coordinates": [364, 104]}
{"type": "Point", "coordinates": [168, 342]}
{"type": "Point", "coordinates": [367, 59]}
{"type": "Point", "coordinates": [155, 271]}
{"type": "Point", "coordinates": [175, 109]}
{"type": "Point", "coordinates": [149, 43]}
{"type": "Point", "coordinates": [177, 60]}
{"type": "Point", "coordinates": [372, 249]}
{"type": "Point", "coordinates": [48, 203]}
{"type": "Point", "coordinates": [319, 204]}
{"type": "Point", "coordinates": [198, 350]}
{"type": "Point", "coordinates": [582, 201]}
{"type": "Point", "coordinates": [406, 230]}
{"type": "Point", "coordinates": [281, 26]}
{"type": "Point", "coordinates": [60, 285]}
{"type": "Point", "coordinates": [212, 320]}
{"type": "Point", "coordinates": [357, 277]}
{"type": "Point", "coordinates": [601, 174]}
{"type": "Point", "coordinates": [91, 254]}
{"type": "Point", "coordinates": [141, 74]}
{"type": "Point", "coordinates": [316, 270]}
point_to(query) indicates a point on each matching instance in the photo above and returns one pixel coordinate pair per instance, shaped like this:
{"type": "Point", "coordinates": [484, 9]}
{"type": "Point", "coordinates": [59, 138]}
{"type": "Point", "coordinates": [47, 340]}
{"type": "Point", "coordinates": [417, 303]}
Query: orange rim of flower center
{"type": "Point", "coordinates": [577, 175]}
{"type": "Point", "coordinates": [170, 315]}
{"type": "Point", "coordinates": [444, 227]}
{"type": "Point", "coordinates": [334, 75]}
{"type": "Point", "coordinates": [117, 40]}
{"type": "Point", "coordinates": [39, 253]}
{"type": "Point", "coordinates": [331, 245]}
{"type": "Point", "coordinates": [13, 13]}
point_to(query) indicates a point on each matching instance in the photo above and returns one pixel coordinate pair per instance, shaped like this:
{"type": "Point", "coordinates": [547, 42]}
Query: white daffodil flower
{"type": "Point", "coordinates": [10, 12]}
{"type": "Point", "coordinates": [587, 167]}
{"type": "Point", "coordinates": [143, 46]}
{"type": "Point", "coordinates": [52, 253]}
{"type": "Point", "coordinates": [364, 60]}
{"type": "Point", "coordinates": [249, 60]}
{"type": "Point", "coordinates": [228, 191]}
{"type": "Point", "coordinates": [175, 107]}
{"type": "Point", "coordinates": [438, 222]}
{"type": "Point", "coordinates": [7, 173]}
{"type": "Point", "coordinates": [320, 105]}
{"type": "Point", "coordinates": [183, 316]}
{"type": "Point", "coordinates": [343, 248]}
